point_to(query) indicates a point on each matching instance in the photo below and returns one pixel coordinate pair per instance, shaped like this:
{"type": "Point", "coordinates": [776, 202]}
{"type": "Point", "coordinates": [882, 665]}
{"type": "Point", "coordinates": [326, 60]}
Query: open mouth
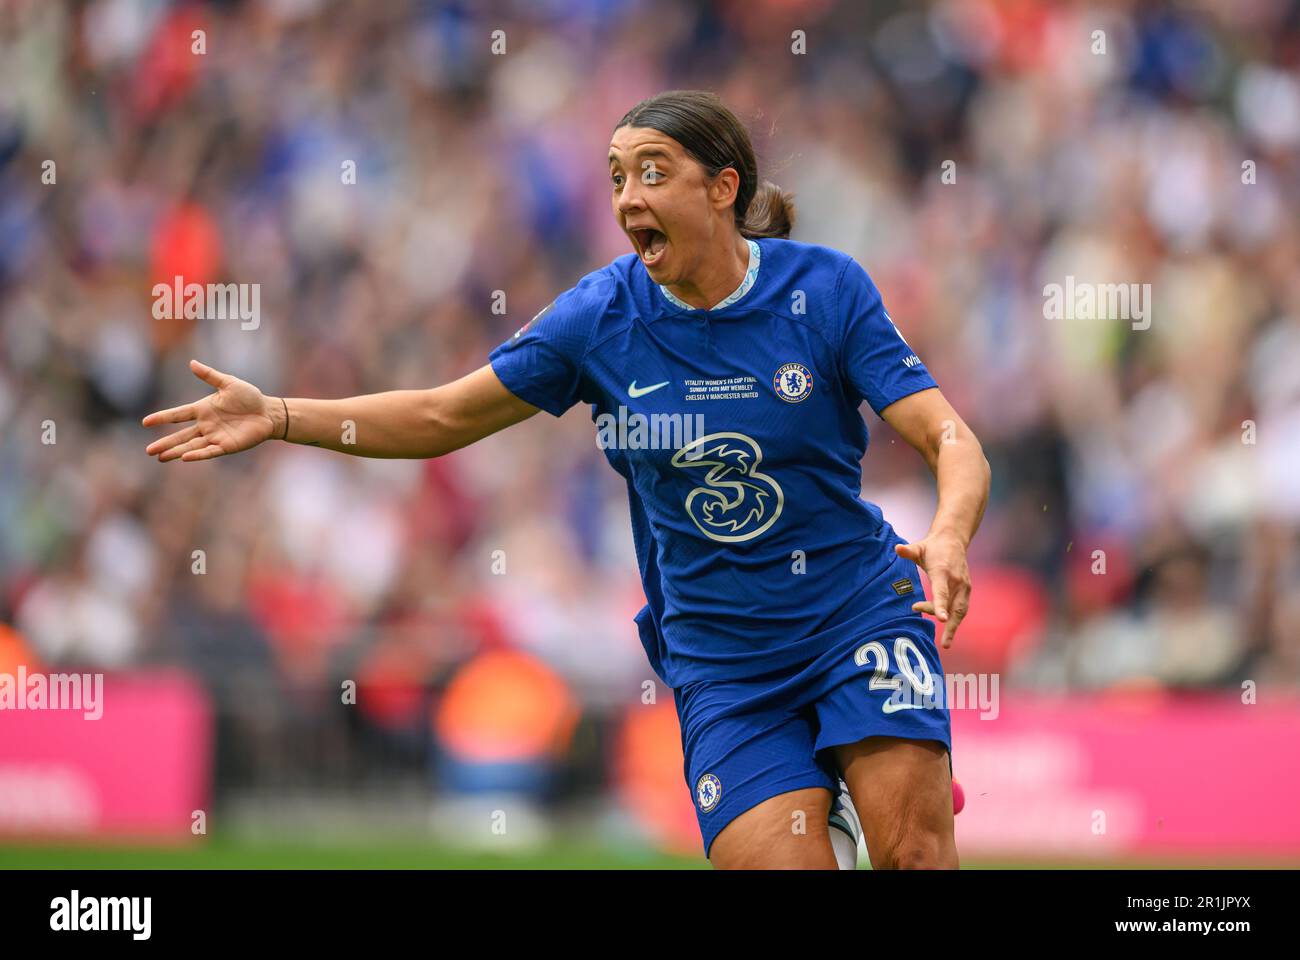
{"type": "Point", "coordinates": [650, 245]}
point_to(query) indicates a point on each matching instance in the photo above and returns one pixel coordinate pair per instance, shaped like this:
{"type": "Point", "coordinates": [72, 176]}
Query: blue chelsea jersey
{"type": "Point", "coordinates": [739, 434]}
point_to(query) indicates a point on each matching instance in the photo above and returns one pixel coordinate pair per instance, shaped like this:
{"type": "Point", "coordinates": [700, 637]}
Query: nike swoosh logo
{"type": "Point", "coordinates": [633, 391]}
{"type": "Point", "coordinates": [890, 706]}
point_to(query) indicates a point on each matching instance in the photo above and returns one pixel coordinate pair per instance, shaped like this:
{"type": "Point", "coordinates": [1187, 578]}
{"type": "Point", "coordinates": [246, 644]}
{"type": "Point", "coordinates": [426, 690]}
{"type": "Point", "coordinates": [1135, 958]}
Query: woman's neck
{"type": "Point", "coordinates": [718, 279]}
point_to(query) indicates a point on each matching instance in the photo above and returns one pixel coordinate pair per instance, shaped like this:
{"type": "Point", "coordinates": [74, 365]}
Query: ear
{"type": "Point", "coordinates": [725, 186]}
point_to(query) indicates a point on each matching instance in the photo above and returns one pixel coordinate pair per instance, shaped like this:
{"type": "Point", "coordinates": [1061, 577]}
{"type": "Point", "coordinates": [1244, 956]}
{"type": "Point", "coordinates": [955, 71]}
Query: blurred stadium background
{"type": "Point", "coordinates": [1137, 576]}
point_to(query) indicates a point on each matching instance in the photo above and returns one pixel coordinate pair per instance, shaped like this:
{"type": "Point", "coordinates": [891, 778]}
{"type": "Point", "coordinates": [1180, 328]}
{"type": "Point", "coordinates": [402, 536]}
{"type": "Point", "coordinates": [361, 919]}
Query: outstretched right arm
{"type": "Point", "coordinates": [397, 423]}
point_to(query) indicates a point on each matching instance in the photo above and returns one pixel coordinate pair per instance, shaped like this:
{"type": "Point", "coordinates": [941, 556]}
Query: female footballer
{"type": "Point", "coordinates": [782, 609]}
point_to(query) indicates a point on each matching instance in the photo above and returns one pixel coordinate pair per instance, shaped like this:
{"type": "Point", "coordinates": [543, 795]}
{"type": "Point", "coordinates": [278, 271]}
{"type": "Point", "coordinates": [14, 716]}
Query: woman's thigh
{"type": "Point", "coordinates": [902, 790]}
{"type": "Point", "coordinates": [785, 832]}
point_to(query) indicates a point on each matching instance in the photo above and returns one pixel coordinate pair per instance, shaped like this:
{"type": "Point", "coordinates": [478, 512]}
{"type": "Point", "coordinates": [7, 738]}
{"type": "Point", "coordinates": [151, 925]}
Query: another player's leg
{"type": "Point", "coordinates": [786, 832]}
{"type": "Point", "coordinates": [845, 828]}
{"type": "Point", "coordinates": [902, 790]}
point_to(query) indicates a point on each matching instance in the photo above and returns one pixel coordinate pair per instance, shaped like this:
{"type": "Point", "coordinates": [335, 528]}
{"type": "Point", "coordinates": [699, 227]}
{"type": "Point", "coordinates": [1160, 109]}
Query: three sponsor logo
{"type": "Point", "coordinates": [735, 501]}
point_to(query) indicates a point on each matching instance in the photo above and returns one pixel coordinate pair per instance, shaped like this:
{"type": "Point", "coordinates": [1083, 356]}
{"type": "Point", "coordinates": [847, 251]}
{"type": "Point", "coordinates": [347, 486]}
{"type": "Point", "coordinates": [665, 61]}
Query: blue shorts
{"type": "Point", "coordinates": [748, 740]}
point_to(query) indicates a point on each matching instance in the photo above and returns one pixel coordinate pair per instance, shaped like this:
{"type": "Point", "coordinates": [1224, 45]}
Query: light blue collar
{"type": "Point", "coordinates": [751, 274]}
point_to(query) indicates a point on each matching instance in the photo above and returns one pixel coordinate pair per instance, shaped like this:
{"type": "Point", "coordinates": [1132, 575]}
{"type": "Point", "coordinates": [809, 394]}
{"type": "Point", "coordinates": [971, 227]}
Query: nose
{"type": "Point", "coordinates": [630, 198]}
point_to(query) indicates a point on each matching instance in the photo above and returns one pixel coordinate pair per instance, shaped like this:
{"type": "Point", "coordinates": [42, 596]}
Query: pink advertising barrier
{"type": "Point", "coordinates": [1132, 774]}
{"type": "Point", "coordinates": [141, 769]}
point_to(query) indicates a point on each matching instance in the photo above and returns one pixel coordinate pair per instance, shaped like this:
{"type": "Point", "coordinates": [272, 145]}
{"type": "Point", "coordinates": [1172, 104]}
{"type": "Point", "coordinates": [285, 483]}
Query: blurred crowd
{"type": "Point", "coordinates": [409, 182]}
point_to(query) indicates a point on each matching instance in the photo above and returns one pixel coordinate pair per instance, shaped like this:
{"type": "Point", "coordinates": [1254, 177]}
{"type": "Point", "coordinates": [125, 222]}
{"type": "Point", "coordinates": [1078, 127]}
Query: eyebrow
{"type": "Point", "coordinates": [646, 152]}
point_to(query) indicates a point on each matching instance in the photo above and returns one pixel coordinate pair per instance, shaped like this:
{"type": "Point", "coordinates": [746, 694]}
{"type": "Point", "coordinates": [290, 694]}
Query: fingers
{"type": "Point", "coordinates": [214, 378]}
{"type": "Point", "coordinates": [207, 453]}
{"type": "Point", "coordinates": [172, 439]}
{"type": "Point", "coordinates": [960, 600]}
{"type": "Point", "coordinates": [186, 411]}
{"type": "Point", "coordinates": [178, 452]}
{"type": "Point", "coordinates": [909, 551]}
{"type": "Point", "coordinates": [174, 415]}
{"type": "Point", "coordinates": [950, 629]}
{"type": "Point", "coordinates": [939, 584]}
{"type": "Point", "coordinates": [949, 585]}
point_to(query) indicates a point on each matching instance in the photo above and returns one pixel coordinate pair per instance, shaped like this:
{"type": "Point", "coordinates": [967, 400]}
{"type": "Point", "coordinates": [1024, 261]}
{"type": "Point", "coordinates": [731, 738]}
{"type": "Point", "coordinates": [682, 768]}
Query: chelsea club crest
{"type": "Point", "coordinates": [708, 792]}
{"type": "Point", "coordinates": [793, 382]}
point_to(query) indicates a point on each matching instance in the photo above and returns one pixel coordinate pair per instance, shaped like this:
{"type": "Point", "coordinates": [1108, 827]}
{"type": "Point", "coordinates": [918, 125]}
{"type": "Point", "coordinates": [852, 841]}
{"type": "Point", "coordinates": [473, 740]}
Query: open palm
{"type": "Point", "coordinates": [234, 418]}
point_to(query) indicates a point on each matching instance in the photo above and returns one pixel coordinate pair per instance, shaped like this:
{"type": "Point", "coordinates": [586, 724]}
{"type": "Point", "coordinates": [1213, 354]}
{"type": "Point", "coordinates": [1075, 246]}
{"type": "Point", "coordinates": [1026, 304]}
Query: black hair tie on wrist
{"type": "Point", "coordinates": [286, 418]}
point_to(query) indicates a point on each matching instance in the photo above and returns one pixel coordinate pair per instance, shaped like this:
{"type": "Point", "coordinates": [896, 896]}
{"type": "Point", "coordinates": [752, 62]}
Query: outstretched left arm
{"type": "Point", "coordinates": [928, 423]}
